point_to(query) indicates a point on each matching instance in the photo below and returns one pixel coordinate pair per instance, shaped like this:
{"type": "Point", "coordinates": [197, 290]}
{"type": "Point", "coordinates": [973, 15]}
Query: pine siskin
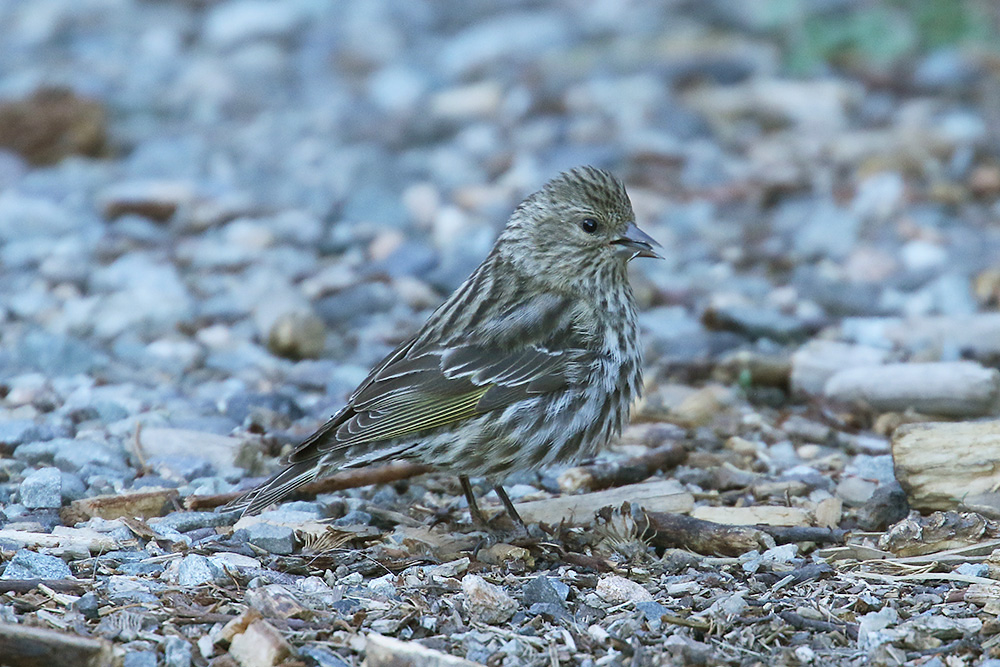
{"type": "Point", "coordinates": [534, 359]}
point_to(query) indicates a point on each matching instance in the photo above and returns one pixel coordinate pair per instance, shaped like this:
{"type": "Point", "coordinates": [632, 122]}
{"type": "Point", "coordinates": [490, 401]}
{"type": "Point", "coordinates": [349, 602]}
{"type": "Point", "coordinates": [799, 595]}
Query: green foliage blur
{"type": "Point", "coordinates": [879, 34]}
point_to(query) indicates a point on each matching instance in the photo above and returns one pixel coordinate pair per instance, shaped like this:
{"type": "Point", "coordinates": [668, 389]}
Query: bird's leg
{"type": "Point", "coordinates": [477, 515]}
{"type": "Point", "coordinates": [509, 506]}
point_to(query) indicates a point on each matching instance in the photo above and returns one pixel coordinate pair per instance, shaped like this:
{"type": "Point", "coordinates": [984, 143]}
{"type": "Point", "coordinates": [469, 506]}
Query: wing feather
{"type": "Point", "coordinates": [422, 386]}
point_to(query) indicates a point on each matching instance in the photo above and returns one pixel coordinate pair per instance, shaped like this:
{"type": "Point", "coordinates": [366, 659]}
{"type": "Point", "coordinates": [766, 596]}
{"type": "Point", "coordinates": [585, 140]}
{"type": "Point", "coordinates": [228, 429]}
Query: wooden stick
{"type": "Point", "coordinates": [25, 585]}
{"type": "Point", "coordinates": [345, 479]}
{"type": "Point", "coordinates": [607, 474]}
{"type": "Point", "coordinates": [677, 531]}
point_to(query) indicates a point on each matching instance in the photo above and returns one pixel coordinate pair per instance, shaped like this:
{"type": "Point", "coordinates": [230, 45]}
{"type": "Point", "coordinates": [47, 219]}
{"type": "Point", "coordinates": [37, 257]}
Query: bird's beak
{"type": "Point", "coordinates": [636, 243]}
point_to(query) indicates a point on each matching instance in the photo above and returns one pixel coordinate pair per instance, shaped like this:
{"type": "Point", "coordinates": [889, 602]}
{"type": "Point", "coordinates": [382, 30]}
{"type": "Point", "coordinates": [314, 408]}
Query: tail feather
{"type": "Point", "coordinates": [276, 488]}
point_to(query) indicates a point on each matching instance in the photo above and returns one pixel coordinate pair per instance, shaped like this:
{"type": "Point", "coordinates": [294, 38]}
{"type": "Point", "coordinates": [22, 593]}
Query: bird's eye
{"type": "Point", "coordinates": [588, 225]}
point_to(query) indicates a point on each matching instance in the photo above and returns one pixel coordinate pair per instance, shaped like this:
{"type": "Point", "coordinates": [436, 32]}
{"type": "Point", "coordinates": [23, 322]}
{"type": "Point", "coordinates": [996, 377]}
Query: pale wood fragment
{"type": "Point", "coordinates": [63, 537]}
{"type": "Point", "coordinates": [658, 496]}
{"type": "Point", "coordinates": [941, 466]}
{"type": "Point", "coordinates": [142, 504]}
{"type": "Point", "coordinates": [771, 515]}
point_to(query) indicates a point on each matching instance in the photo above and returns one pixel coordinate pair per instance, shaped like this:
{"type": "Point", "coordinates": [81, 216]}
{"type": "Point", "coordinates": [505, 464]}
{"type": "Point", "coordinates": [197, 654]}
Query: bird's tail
{"type": "Point", "coordinates": [274, 489]}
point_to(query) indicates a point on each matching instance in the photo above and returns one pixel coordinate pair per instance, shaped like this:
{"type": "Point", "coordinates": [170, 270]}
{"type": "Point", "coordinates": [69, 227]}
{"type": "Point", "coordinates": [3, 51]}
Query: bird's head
{"type": "Point", "coordinates": [578, 227]}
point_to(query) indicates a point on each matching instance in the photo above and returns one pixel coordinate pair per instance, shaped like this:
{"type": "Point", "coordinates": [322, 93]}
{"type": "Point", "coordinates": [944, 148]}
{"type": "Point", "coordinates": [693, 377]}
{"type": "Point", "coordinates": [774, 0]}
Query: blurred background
{"type": "Point", "coordinates": [217, 215]}
{"type": "Point", "coordinates": [211, 210]}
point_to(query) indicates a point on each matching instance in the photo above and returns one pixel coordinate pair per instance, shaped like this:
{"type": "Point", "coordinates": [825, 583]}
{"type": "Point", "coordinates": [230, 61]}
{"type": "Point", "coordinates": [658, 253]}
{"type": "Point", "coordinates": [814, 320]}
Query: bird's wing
{"type": "Point", "coordinates": [422, 386]}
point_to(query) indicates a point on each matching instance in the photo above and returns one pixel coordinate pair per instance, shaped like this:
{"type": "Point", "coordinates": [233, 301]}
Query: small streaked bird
{"type": "Point", "coordinates": [533, 360]}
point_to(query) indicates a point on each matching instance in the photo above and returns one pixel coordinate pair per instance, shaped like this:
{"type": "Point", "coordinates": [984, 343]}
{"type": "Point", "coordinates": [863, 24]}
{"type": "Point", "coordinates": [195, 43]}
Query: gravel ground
{"type": "Point", "coordinates": [215, 216]}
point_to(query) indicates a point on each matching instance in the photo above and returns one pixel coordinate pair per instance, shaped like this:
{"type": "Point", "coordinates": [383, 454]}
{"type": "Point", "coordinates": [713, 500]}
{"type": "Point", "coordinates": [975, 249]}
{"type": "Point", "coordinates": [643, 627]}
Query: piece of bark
{"type": "Point", "coordinates": [820, 534]}
{"type": "Point", "coordinates": [772, 515]}
{"type": "Point", "coordinates": [22, 646]}
{"type": "Point", "coordinates": [63, 537]}
{"type": "Point", "coordinates": [142, 504]}
{"type": "Point", "coordinates": [345, 479]}
{"type": "Point", "coordinates": [943, 465]}
{"type": "Point", "coordinates": [677, 531]}
{"type": "Point", "coordinates": [659, 496]}
{"type": "Point", "coordinates": [607, 474]}
{"type": "Point", "coordinates": [949, 389]}
{"type": "Point", "coordinates": [59, 585]}
{"type": "Point", "coordinates": [381, 651]}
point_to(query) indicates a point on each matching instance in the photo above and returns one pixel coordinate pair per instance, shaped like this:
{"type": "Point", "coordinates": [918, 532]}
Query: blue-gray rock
{"type": "Point", "coordinates": [185, 521]}
{"type": "Point", "coordinates": [73, 487]}
{"type": "Point", "coordinates": [176, 652]}
{"type": "Point", "coordinates": [411, 258]}
{"type": "Point", "coordinates": [540, 589]}
{"type": "Point", "coordinates": [195, 570]}
{"type": "Point", "coordinates": [272, 538]}
{"type": "Point", "coordinates": [322, 656]}
{"type": "Point", "coordinates": [887, 505]}
{"type": "Point", "coordinates": [88, 605]}
{"type": "Point", "coordinates": [18, 431]}
{"type": "Point", "coordinates": [140, 659]}
{"type": "Point", "coordinates": [71, 455]}
{"type": "Point", "coordinates": [973, 569]}
{"type": "Point", "coordinates": [180, 467]}
{"type": "Point", "coordinates": [653, 612]}
{"type": "Point", "coordinates": [30, 565]}
{"type": "Point", "coordinates": [140, 569]}
{"type": "Point", "coordinates": [241, 405]}
{"type": "Point", "coordinates": [56, 355]}
{"type": "Point", "coordinates": [549, 610]}
{"type": "Point", "coordinates": [352, 303]}
{"type": "Point", "coordinates": [354, 518]}
{"type": "Point", "coordinates": [756, 323]}
{"type": "Point", "coordinates": [42, 488]}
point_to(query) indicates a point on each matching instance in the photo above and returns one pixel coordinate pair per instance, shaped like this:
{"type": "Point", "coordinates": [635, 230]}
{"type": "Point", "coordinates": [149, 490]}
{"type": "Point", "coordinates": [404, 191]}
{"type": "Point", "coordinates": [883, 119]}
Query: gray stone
{"type": "Point", "coordinates": [352, 303]}
{"type": "Point", "coordinates": [180, 467]}
{"type": "Point", "coordinates": [72, 455]}
{"type": "Point", "coordinates": [88, 605]}
{"type": "Point", "coordinates": [229, 24]}
{"type": "Point", "coordinates": [877, 468]}
{"type": "Point", "coordinates": [18, 431]}
{"type": "Point", "coordinates": [272, 538]}
{"type": "Point", "coordinates": [653, 612]}
{"type": "Point", "coordinates": [353, 518]}
{"type": "Point", "coordinates": [195, 570]}
{"type": "Point", "coordinates": [176, 652]}
{"type": "Point", "coordinates": [185, 521]}
{"type": "Point", "coordinates": [886, 506]}
{"type": "Point", "coordinates": [30, 565]}
{"type": "Point", "coordinates": [73, 488]}
{"type": "Point", "coordinates": [322, 656]}
{"type": "Point", "coordinates": [540, 589]}
{"type": "Point", "coordinates": [140, 659]}
{"type": "Point", "coordinates": [56, 355]}
{"type": "Point", "coordinates": [124, 589]}
{"type": "Point", "coordinates": [973, 569]}
{"type": "Point", "coordinates": [42, 488]}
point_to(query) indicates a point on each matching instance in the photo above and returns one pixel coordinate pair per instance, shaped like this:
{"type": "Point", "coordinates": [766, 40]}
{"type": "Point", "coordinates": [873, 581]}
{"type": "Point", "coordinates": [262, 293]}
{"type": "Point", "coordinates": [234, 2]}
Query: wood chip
{"type": "Point", "coordinates": [772, 515]}
{"type": "Point", "coordinates": [659, 496]}
{"type": "Point", "coordinates": [22, 646]}
{"type": "Point", "coordinates": [142, 504]}
{"type": "Point", "coordinates": [940, 465]}
{"type": "Point", "coordinates": [63, 537]}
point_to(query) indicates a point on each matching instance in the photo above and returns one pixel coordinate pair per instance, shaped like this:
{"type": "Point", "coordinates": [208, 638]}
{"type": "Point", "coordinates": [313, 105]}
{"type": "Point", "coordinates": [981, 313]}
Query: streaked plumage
{"type": "Point", "coordinates": [533, 360]}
